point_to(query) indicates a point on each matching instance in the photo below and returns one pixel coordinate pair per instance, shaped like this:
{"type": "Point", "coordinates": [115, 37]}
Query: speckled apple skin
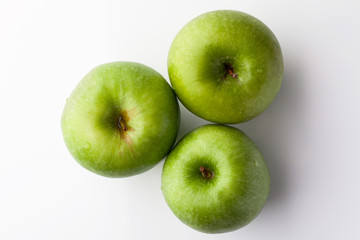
{"type": "Point", "coordinates": [235, 194]}
{"type": "Point", "coordinates": [196, 66]}
{"type": "Point", "coordinates": [146, 103]}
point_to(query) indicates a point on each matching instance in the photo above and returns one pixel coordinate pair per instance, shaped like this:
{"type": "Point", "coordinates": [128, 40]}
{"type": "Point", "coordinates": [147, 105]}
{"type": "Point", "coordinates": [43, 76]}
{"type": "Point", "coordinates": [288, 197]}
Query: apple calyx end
{"type": "Point", "coordinates": [206, 172]}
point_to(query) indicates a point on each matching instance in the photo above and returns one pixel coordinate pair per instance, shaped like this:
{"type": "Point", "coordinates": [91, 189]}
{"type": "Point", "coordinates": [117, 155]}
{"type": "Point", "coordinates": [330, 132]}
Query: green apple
{"type": "Point", "coordinates": [225, 66]}
{"type": "Point", "coordinates": [121, 119]}
{"type": "Point", "coordinates": [215, 179]}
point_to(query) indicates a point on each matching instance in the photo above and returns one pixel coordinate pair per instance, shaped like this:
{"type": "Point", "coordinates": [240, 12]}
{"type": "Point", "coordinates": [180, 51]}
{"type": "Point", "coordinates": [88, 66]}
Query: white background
{"type": "Point", "coordinates": [309, 135]}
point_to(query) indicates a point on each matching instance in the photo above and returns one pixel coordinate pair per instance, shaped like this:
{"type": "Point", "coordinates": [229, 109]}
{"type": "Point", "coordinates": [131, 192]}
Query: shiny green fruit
{"type": "Point", "coordinates": [215, 179]}
{"type": "Point", "coordinates": [121, 119]}
{"type": "Point", "coordinates": [225, 66]}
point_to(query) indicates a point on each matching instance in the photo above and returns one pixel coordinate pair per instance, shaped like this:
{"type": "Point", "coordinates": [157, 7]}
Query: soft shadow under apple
{"type": "Point", "coordinates": [273, 131]}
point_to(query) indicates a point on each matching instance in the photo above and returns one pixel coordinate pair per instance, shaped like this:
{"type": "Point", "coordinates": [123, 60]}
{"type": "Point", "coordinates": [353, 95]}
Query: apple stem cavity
{"type": "Point", "coordinates": [121, 124]}
{"type": "Point", "coordinates": [207, 173]}
{"type": "Point", "coordinates": [230, 71]}
{"type": "Point", "coordinates": [234, 75]}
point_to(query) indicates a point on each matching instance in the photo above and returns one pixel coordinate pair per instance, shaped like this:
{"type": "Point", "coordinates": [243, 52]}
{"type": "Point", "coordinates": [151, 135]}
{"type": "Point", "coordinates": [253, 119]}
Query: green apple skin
{"type": "Point", "coordinates": [139, 97]}
{"type": "Point", "coordinates": [233, 195]}
{"type": "Point", "coordinates": [225, 66]}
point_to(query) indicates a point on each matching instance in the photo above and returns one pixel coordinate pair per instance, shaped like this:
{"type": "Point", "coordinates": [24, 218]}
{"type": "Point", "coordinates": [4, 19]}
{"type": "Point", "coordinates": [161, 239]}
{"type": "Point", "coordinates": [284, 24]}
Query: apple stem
{"type": "Point", "coordinates": [206, 172]}
{"type": "Point", "coordinates": [234, 75]}
{"type": "Point", "coordinates": [121, 124]}
{"type": "Point", "coordinates": [230, 71]}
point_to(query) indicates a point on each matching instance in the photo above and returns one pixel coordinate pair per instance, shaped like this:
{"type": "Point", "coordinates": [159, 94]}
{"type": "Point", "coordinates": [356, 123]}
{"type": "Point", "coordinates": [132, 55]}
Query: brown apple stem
{"type": "Point", "coordinates": [231, 73]}
{"type": "Point", "coordinates": [206, 172]}
{"type": "Point", "coordinates": [121, 124]}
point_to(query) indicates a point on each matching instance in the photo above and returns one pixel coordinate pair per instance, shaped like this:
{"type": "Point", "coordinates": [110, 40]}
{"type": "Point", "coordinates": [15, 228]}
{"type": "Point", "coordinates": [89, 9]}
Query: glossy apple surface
{"type": "Point", "coordinates": [225, 66]}
{"type": "Point", "coordinates": [215, 179]}
{"type": "Point", "coordinates": [121, 119]}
